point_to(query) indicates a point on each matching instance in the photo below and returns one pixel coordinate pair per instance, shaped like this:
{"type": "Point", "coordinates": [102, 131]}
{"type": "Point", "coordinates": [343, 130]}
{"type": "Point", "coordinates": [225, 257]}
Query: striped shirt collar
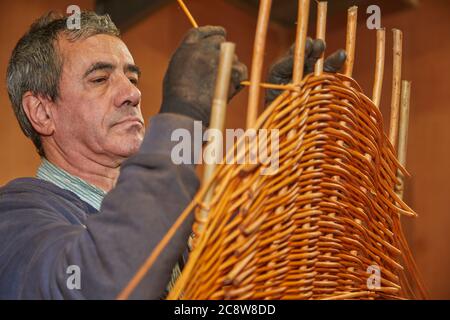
{"type": "Point", "coordinates": [85, 191]}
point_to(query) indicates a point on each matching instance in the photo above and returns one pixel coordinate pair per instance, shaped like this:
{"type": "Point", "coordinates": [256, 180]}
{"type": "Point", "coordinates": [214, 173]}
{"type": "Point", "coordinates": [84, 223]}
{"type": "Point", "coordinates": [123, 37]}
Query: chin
{"type": "Point", "coordinates": [125, 141]}
{"type": "Point", "coordinates": [125, 147]}
{"type": "Point", "coordinates": [131, 147]}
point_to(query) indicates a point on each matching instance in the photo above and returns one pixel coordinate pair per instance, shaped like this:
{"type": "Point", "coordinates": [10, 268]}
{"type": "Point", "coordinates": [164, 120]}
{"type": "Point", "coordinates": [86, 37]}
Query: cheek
{"type": "Point", "coordinates": [85, 123]}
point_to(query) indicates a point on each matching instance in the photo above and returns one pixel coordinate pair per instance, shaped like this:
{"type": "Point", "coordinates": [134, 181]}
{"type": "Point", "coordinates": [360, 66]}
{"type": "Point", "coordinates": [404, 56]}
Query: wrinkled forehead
{"type": "Point", "coordinates": [79, 55]}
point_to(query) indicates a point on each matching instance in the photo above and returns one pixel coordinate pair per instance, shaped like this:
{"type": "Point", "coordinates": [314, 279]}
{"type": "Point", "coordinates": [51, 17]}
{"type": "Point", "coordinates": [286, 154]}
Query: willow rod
{"type": "Point", "coordinates": [300, 41]}
{"type": "Point", "coordinates": [218, 114]}
{"type": "Point", "coordinates": [272, 86]}
{"type": "Point", "coordinates": [187, 13]}
{"type": "Point", "coordinates": [320, 33]}
{"type": "Point", "coordinates": [297, 75]}
{"type": "Point", "coordinates": [257, 61]}
{"type": "Point", "coordinates": [396, 83]}
{"type": "Point", "coordinates": [352, 20]}
{"type": "Point", "coordinates": [379, 67]}
{"type": "Point", "coordinates": [403, 132]}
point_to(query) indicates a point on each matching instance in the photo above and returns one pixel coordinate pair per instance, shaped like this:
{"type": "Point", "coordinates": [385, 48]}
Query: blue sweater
{"type": "Point", "coordinates": [44, 229]}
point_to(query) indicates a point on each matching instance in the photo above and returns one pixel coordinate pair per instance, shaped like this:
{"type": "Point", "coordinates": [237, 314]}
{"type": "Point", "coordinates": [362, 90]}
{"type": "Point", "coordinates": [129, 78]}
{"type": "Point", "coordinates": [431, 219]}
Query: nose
{"type": "Point", "coordinates": [127, 93]}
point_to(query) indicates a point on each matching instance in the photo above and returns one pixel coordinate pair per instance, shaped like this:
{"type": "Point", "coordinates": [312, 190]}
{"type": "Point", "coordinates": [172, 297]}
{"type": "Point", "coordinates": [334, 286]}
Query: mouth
{"type": "Point", "coordinates": [130, 121]}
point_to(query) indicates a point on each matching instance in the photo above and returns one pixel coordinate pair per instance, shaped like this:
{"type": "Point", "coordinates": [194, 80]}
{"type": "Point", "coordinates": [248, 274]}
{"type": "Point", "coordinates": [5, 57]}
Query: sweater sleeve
{"type": "Point", "coordinates": [150, 194]}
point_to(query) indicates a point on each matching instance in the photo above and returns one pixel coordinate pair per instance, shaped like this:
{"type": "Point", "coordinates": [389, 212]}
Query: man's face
{"type": "Point", "coordinates": [98, 113]}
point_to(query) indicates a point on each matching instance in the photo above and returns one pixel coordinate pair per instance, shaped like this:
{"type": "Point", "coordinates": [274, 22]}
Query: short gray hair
{"type": "Point", "coordinates": [35, 64]}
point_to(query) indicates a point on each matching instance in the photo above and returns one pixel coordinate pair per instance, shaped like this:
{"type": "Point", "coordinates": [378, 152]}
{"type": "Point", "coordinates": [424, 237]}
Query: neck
{"type": "Point", "coordinates": [95, 172]}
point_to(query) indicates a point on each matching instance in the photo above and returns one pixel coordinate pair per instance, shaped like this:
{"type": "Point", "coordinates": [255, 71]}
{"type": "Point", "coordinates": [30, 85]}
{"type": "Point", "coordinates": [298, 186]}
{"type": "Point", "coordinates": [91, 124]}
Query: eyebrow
{"type": "Point", "coordinates": [132, 68]}
{"type": "Point", "coordinates": [109, 66]}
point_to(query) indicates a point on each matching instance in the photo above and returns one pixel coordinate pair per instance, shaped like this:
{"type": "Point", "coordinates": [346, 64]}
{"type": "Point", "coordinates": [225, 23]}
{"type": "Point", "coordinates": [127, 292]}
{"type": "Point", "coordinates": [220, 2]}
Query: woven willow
{"type": "Point", "coordinates": [312, 230]}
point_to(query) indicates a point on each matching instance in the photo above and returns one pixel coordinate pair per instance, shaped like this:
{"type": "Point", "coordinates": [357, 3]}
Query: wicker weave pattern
{"type": "Point", "coordinates": [311, 230]}
{"type": "Point", "coordinates": [330, 213]}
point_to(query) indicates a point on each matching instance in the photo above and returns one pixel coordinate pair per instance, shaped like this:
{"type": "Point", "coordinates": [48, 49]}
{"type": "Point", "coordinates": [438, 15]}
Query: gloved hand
{"type": "Point", "coordinates": [281, 71]}
{"type": "Point", "coordinates": [189, 82]}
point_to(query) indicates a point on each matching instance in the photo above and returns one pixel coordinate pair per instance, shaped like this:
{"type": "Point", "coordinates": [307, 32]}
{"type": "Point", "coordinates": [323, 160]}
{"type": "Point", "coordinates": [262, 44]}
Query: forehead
{"type": "Point", "coordinates": [81, 54]}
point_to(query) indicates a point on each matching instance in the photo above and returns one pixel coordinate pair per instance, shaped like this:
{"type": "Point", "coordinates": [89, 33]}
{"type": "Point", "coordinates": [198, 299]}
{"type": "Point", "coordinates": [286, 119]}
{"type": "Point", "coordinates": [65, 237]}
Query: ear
{"type": "Point", "coordinates": [38, 111]}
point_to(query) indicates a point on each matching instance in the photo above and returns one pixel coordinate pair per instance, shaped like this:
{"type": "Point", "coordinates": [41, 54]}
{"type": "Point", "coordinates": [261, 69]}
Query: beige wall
{"type": "Point", "coordinates": [426, 64]}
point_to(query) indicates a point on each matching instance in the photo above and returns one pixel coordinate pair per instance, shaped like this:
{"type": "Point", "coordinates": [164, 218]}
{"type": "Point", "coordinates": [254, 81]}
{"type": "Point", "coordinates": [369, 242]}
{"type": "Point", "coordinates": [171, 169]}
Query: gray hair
{"type": "Point", "coordinates": [35, 64]}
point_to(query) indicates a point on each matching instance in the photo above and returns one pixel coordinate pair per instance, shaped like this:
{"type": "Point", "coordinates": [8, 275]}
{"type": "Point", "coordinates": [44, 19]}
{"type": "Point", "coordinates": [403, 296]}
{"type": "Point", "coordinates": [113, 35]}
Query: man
{"type": "Point", "coordinates": [106, 191]}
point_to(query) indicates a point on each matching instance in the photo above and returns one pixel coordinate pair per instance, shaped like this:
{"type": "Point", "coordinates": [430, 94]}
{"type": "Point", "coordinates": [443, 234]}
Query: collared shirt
{"type": "Point", "coordinates": [85, 191]}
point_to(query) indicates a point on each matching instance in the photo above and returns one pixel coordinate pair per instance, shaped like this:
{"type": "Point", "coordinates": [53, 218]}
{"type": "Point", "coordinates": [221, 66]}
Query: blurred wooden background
{"type": "Point", "coordinates": [156, 35]}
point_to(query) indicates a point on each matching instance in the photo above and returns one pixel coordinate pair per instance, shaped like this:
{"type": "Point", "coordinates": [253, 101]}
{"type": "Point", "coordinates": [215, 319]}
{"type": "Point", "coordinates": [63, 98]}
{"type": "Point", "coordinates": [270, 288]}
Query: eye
{"type": "Point", "coordinates": [99, 80]}
{"type": "Point", "coordinates": [134, 81]}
